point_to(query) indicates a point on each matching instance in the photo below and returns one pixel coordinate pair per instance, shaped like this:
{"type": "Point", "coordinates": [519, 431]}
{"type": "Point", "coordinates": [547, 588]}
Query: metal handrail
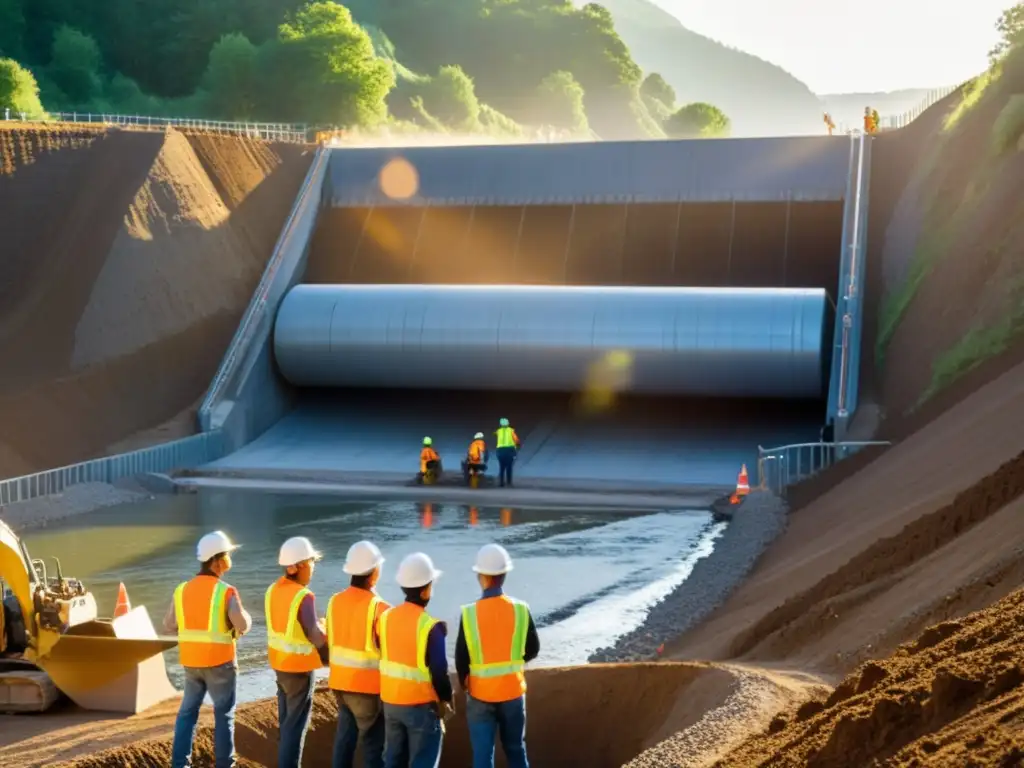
{"type": "Point", "coordinates": [257, 305]}
{"type": "Point", "coordinates": [782, 466]}
{"type": "Point", "coordinates": [177, 454]}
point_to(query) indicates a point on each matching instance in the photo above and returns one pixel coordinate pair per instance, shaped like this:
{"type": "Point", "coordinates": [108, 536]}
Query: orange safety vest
{"type": "Point", "coordinates": [355, 660]}
{"type": "Point", "coordinates": [404, 675]}
{"type": "Point", "coordinates": [495, 630]}
{"type": "Point", "coordinates": [205, 638]}
{"type": "Point", "coordinates": [427, 454]}
{"type": "Point", "coordinates": [476, 451]}
{"type": "Point", "coordinates": [288, 648]}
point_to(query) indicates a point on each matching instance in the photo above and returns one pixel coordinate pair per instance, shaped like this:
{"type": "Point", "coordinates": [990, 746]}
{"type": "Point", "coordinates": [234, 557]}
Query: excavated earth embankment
{"type": "Point", "coordinates": [126, 261]}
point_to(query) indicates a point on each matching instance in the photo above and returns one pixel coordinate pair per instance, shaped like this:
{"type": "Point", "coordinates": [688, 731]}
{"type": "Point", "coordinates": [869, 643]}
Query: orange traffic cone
{"type": "Point", "coordinates": [742, 486]}
{"type": "Point", "coordinates": [123, 606]}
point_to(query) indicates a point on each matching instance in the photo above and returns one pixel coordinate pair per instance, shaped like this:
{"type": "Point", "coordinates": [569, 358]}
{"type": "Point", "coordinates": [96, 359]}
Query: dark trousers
{"type": "Point", "coordinates": [360, 718]}
{"type": "Point", "coordinates": [506, 458]}
{"type": "Point", "coordinates": [294, 706]}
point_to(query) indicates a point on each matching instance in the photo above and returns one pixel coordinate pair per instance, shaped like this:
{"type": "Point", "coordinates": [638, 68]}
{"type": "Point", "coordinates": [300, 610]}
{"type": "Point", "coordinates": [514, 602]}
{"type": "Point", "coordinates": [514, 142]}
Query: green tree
{"type": "Point", "coordinates": [559, 103]}
{"type": "Point", "coordinates": [12, 29]}
{"type": "Point", "coordinates": [75, 66]}
{"type": "Point", "coordinates": [231, 80]}
{"type": "Point", "coordinates": [697, 121]}
{"type": "Point", "coordinates": [451, 98]}
{"type": "Point", "coordinates": [1011, 31]}
{"type": "Point", "coordinates": [655, 87]}
{"type": "Point", "coordinates": [18, 90]}
{"type": "Point", "coordinates": [322, 69]}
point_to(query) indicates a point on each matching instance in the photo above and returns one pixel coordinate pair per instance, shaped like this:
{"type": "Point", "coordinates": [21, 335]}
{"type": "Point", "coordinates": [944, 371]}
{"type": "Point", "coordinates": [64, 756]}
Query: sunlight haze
{"type": "Point", "coordinates": [842, 47]}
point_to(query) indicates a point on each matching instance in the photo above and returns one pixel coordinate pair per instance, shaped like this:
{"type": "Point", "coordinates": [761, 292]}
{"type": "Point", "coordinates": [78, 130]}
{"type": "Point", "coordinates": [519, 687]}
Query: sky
{"type": "Point", "coordinates": [844, 46]}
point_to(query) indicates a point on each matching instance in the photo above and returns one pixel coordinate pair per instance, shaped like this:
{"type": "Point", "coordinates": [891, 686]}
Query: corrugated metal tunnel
{"type": "Point", "coordinates": [716, 342]}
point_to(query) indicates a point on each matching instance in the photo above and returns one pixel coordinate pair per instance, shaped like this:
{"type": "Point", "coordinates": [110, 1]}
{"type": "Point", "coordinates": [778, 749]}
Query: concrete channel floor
{"type": "Point", "coordinates": [645, 442]}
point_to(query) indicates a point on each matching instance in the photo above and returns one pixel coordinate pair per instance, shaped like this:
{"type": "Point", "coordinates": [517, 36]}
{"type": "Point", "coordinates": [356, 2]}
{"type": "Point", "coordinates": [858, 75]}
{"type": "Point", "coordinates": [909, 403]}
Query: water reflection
{"type": "Point", "coordinates": [588, 575]}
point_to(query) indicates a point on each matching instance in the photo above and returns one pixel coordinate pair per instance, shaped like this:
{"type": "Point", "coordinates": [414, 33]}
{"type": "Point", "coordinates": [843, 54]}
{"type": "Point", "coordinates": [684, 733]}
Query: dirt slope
{"type": "Point", "coordinates": [128, 258]}
{"type": "Point", "coordinates": [889, 550]}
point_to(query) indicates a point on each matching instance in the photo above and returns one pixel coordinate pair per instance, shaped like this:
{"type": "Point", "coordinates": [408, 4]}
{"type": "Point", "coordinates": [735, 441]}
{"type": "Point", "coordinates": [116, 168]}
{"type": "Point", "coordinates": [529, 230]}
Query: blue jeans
{"type": "Point", "coordinates": [506, 458]}
{"type": "Point", "coordinates": [219, 682]}
{"type": "Point", "coordinates": [294, 706]}
{"type": "Point", "coordinates": [359, 714]}
{"type": "Point", "coordinates": [412, 736]}
{"type": "Point", "coordinates": [506, 719]}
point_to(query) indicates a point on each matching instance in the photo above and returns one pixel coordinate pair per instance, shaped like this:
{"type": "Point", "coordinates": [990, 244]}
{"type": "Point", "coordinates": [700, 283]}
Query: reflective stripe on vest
{"type": "Point", "coordinates": [205, 638]}
{"type": "Point", "coordinates": [403, 683]}
{"type": "Point", "coordinates": [293, 641]}
{"type": "Point", "coordinates": [501, 678]}
{"type": "Point", "coordinates": [368, 657]}
{"type": "Point", "coordinates": [505, 437]}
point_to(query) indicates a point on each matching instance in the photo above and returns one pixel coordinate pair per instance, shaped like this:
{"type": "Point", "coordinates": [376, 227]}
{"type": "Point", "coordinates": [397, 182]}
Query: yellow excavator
{"type": "Point", "coordinates": [52, 639]}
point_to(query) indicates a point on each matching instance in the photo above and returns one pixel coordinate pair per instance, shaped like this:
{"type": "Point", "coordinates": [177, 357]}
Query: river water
{"type": "Point", "coordinates": [589, 576]}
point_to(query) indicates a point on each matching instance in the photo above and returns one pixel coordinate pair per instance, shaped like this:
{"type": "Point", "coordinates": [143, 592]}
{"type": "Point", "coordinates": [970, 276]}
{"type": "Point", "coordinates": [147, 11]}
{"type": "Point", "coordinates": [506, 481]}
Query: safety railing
{"type": "Point", "coordinates": [780, 467]}
{"type": "Point", "coordinates": [892, 122]}
{"type": "Point", "coordinates": [178, 454]}
{"type": "Point", "coordinates": [309, 194]}
{"type": "Point", "coordinates": [295, 133]}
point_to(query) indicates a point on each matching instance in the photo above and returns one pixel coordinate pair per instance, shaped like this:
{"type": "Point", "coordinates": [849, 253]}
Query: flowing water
{"type": "Point", "coordinates": [589, 576]}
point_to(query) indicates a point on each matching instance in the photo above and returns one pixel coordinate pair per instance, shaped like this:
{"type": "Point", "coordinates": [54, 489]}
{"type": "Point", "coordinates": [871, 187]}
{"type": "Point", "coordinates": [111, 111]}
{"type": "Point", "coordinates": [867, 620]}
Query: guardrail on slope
{"type": "Point", "coordinates": [178, 454]}
{"type": "Point", "coordinates": [780, 467]}
{"type": "Point", "coordinates": [268, 294]}
{"type": "Point", "coordinates": [295, 133]}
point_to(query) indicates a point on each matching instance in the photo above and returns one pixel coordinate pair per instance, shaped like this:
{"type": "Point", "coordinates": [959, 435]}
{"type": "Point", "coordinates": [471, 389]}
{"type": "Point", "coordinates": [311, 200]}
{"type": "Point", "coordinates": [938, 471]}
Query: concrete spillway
{"type": "Point", "coordinates": [646, 341]}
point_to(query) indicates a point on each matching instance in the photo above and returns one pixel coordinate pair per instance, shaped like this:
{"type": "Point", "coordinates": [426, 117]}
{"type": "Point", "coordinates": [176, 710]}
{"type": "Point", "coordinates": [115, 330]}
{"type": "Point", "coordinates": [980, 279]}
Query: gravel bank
{"type": "Point", "coordinates": [76, 500]}
{"type": "Point", "coordinates": [755, 525]}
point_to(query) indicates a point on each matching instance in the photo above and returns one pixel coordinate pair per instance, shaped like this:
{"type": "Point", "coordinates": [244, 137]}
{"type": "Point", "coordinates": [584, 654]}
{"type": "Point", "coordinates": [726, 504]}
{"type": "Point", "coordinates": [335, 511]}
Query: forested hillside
{"type": "Point", "coordinates": [495, 66]}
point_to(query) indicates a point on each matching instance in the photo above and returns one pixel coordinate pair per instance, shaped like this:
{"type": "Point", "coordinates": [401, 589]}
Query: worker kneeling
{"type": "Point", "coordinates": [208, 617]}
{"type": "Point", "coordinates": [430, 463]}
{"type": "Point", "coordinates": [497, 637]}
{"type": "Point", "coordinates": [476, 460]}
{"type": "Point", "coordinates": [352, 617]}
{"type": "Point", "coordinates": [414, 683]}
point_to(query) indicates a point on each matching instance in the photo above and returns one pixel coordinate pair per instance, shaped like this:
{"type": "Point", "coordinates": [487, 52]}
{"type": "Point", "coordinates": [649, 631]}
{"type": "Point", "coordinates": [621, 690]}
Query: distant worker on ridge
{"type": "Point", "coordinates": [829, 124]}
{"type": "Point", "coordinates": [352, 617]}
{"type": "Point", "coordinates": [497, 637]}
{"type": "Point", "coordinates": [507, 447]}
{"type": "Point", "coordinates": [430, 461]}
{"type": "Point", "coordinates": [207, 616]}
{"type": "Point", "coordinates": [296, 646]}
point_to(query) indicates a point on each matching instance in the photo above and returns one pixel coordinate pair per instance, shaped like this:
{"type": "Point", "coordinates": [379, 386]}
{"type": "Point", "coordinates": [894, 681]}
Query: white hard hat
{"type": "Point", "coordinates": [213, 544]}
{"type": "Point", "coordinates": [362, 558]}
{"type": "Point", "coordinates": [478, 436]}
{"type": "Point", "coordinates": [416, 570]}
{"type": "Point", "coordinates": [296, 550]}
{"type": "Point", "coordinates": [492, 560]}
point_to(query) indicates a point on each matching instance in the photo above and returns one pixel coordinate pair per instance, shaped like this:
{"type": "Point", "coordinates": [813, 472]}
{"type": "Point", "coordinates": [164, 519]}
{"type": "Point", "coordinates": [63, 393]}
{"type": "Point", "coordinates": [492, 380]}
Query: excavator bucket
{"type": "Point", "coordinates": [112, 666]}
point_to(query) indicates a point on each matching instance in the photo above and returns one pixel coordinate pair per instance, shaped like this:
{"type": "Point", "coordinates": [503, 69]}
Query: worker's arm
{"type": "Point", "coordinates": [171, 620]}
{"type": "Point", "coordinates": [238, 617]}
{"type": "Point", "coordinates": [311, 627]}
{"type": "Point", "coordinates": [462, 657]}
{"type": "Point", "coordinates": [532, 649]}
{"type": "Point", "coordinates": [437, 662]}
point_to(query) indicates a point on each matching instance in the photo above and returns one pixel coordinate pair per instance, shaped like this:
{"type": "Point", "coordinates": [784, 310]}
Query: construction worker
{"type": "Point", "coordinates": [829, 124]}
{"type": "Point", "coordinates": [352, 616]}
{"type": "Point", "coordinates": [414, 683]}
{"type": "Point", "coordinates": [430, 461]}
{"type": "Point", "coordinates": [507, 446]}
{"type": "Point", "coordinates": [497, 637]}
{"type": "Point", "coordinates": [296, 646]}
{"type": "Point", "coordinates": [875, 121]}
{"type": "Point", "coordinates": [206, 614]}
{"type": "Point", "coordinates": [476, 457]}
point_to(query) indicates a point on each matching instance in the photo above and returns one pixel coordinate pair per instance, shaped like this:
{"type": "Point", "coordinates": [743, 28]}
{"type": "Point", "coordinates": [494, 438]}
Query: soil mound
{"type": "Point", "coordinates": [595, 716]}
{"type": "Point", "coordinates": [128, 258]}
{"type": "Point", "coordinates": [955, 696]}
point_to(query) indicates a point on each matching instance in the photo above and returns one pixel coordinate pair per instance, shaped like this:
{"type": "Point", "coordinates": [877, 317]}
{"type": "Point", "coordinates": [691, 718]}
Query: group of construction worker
{"type": "Point", "coordinates": [388, 664]}
{"type": "Point", "coordinates": [507, 446]}
{"type": "Point", "coordinates": [871, 121]}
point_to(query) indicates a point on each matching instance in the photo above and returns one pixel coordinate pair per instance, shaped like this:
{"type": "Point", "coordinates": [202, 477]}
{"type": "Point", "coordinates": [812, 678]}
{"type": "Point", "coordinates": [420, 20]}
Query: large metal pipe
{"type": "Point", "coordinates": [725, 342]}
